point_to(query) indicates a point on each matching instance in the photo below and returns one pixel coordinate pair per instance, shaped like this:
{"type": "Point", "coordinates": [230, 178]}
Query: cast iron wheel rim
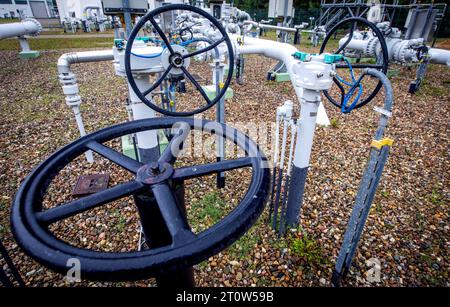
{"type": "Point", "coordinates": [384, 66]}
{"type": "Point", "coordinates": [225, 39]}
{"type": "Point", "coordinates": [39, 243]}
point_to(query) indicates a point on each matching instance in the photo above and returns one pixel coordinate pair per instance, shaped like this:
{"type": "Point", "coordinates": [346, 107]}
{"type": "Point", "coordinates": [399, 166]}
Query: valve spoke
{"type": "Point", "coordinates": [175, 145]}
{"type": "Point", "coordinates": [114, 156]}
{"type": "Point", "coordinates": [212, 46]}
{"type": "Point", "coordinates": [159, 81]}
{"type": "Point", "coordinates": [189, 172]}
{"type": "Point", "coordinates": [89, 202]}
{"type": "Point", "coordinates": [172, 214]}
{"type": "Point", "coordinates": [161, 33]}
{"type": "Point", "coordinates": [198, 86]}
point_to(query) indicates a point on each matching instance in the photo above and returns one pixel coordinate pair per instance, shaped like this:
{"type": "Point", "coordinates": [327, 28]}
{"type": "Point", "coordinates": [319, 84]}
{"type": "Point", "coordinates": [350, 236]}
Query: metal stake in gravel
{"type": "Point", "coordinates": [379, 152]}
{"type": "Point", "coordinates": [285, 113]}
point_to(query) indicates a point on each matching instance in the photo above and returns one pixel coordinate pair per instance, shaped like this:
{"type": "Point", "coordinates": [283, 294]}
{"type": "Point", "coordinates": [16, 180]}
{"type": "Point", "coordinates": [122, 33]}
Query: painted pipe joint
{"type": "Point", "coordinates": [70, 89]}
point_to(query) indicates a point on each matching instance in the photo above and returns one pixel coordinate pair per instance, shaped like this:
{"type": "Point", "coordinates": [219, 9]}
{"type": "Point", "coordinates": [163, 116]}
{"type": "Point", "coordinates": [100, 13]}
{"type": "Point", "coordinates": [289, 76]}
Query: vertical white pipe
{"type": "Point", "coordinates": [309, 105]}
{"type": "Point", "coordinates": [277, 140]}
{"type": "Point", "coordinates": [24, 44]}
{"type": "Point", "coordinates": [79, 120]}
{"type": "Point", "coordinates": [146, 139]}
{"type": "Point", "coordinates": [291, 149]}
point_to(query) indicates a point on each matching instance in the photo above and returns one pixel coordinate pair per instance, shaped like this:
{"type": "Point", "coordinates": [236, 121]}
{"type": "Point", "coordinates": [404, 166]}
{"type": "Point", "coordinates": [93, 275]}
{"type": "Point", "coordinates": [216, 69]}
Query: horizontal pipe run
{"type": "Point", "coordinates": [271, 27]}
{"type": "Point", "coordinates": [439, 56]}
{"type": "Point", "coordinates": [28, 26]}
{"type": "Point", "coordinates": [68, 59]}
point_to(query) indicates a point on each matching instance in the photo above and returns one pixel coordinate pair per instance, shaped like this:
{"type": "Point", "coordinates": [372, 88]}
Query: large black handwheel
{"type": "Point", "coordinates": [382, 62]}
{"type": "Point", "coordinates": [177, 59]}
{"type": "Point", "coordinates": [30, 223]}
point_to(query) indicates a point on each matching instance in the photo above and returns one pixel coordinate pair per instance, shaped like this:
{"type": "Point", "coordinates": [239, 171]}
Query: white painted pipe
{"type": "Point", "coordinates": [439, 56]}
{"type": "Point", "coordinates": [306, 127]}
{"type": "Point", "coordinates": [277, 141]}
{"type": "Point", "coordinates": [146, 139]}
{"type": "Point", "coordinates": [283, 142]}
{"type": "Point", "coordinates": [28, 26]}
{"type": "Point", "coordinates": [79, 120]}
{"type": "Point", "coordinates": [67, 59]}
{"type": "Point", "coordinates": [399, 50]}
{"type": "Point", "coordinates": [69, 84]}
{"type": "Point", "coordinates": [271, 27]}
{"type": "Point", "coordinates": [357, 44]}
{"type": "Point", "coordinates": [282, 52]}
{"type": "Point", "coordinates": [291, 148]}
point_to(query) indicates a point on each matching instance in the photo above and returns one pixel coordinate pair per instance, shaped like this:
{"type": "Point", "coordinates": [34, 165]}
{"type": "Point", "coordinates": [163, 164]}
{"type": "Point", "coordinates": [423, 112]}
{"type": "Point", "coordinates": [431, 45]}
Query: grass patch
{"type": "Point", "coordinates": [40, 109]}
{"type": "Point", "coordinates": [2, 205]}
{"type": "Point", "coordinates": [9, 20]}
{"type": "Point", "coordinates": [384, 193]}
{"type": "Point", "coordinates": [3, 230]}
{"type": "Point", "coordinates": [211, 207]}
{"type": "Point", "coordinates": [426, 88]}
{"type": "Point", "coordinates": [307, 249]}
{"type": "Point", "coordinates": [79, 32]}
{"type": "Point", "coordinates": [242, 247]}
{"type": "Point", "coordinates": [435, 198]}
{"type": "Point", "coordinates": [377, 208]}
{"type": "Point", "coordinates": [58, 43]}
{"type": "Point", "coordinates": [334, 122]}
{"type": "Point", "coordinates": [207, 211]}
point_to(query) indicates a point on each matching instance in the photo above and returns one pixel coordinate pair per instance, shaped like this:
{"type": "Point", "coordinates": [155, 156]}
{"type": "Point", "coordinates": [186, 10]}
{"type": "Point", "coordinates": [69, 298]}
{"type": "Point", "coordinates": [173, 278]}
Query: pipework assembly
{"type": "Point", "coordinates": [312, 75]}
{"type": "Point", "coordinates": [27, 27]}
{"type": "Point", "coordinates": [178, 61]}
{"type": "Point", "coordinates": [69, 83]}
{"type": "Point", "coordinates": [400, 50]}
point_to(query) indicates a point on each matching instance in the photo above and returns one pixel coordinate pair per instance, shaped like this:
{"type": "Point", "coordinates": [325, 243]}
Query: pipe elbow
{"type": "Point", "coordinates": [64, 63]}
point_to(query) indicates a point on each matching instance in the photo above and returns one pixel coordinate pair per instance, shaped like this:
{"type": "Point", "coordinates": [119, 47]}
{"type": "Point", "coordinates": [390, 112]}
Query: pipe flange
{"type": "Point", "coordinates": [37, 23]}
{"type": "Point", "coordinates": [402, 51]}
{"type": "Point", "coordinates": [371, 47]}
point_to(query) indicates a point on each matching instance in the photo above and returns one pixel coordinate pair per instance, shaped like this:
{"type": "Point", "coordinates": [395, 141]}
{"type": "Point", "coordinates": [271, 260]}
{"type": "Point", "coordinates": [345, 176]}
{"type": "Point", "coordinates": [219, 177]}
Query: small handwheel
{"type": "Point", "coordinates": [186, 34]}
{"type": "Point", "coordinates": [30, 223]}
{"type": "Point", "coordinates": [382, 61]}
{"type": "Point", "coordinates": [178, 59]}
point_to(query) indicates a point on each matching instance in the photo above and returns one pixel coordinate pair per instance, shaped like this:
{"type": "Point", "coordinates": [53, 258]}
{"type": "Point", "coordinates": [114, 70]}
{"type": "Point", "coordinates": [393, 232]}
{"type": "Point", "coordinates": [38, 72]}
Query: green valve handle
{"type": "Point", "coordinates": [302, 56]}
{"type": "Point", "coordinates": [333, 58]}
{"type": "Point", "coordinates": [328, 58]}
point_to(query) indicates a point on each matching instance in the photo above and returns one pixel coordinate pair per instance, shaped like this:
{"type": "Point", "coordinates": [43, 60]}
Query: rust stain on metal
{"type": "Point", "coordinates": [89, 184]}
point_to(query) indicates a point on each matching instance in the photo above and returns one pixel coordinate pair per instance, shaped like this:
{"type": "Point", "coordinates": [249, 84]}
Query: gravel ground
{"type": "Point", "coordinates": [407, 229]}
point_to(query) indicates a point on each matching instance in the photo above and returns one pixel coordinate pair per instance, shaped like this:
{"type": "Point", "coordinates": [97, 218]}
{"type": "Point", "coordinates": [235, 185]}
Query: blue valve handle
{"type": "Point", "coordinates": [354, 84]}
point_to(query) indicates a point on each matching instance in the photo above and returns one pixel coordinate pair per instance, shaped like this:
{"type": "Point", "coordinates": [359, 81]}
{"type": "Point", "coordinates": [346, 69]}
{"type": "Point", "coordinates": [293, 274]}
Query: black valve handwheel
{"type": "Point", "coordinates": [30, 223]}
{"type": "Point", "coordinates": [177, 59]}
{"type": "Point", "coordinates": [382, 62]}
